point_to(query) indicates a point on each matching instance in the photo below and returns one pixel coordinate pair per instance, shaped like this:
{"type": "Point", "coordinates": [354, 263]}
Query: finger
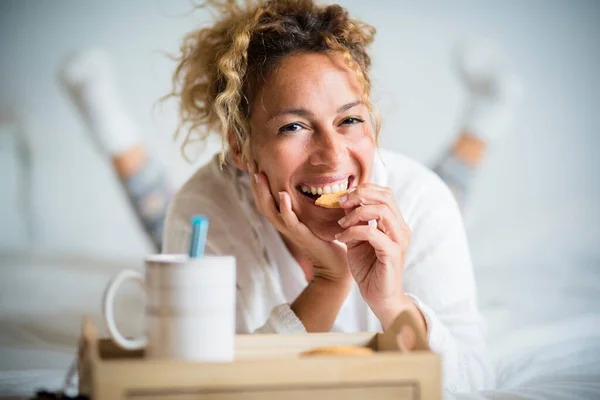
{"type": "Point", "coordinates": [347, 211]}
{"type": "Point", "coordinates": [264, 201]}
{"type": "Point", "coordinates": [290, 219]}
{"type": "Point", "coordinates": [368, 193]}
{"type": "Point", "coordinates": [294, 227]}
{"type": "Point", "coordinates": [385, 219]}
{"type": "Point", "coordinates": [383, 245]}
{"type": "Point", "coordinates": [288, 215]}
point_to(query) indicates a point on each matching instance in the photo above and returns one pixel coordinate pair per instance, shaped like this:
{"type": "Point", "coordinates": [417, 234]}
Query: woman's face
{"type": "Point", "coordinates": [310, 132]}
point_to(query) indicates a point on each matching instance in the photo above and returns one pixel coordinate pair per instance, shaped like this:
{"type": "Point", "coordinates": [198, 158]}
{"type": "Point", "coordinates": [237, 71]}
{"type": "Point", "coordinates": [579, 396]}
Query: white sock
{"type": "Point", "coordinates": [494, 92]}
{"type": "Point", "coordinates": [89, 79]}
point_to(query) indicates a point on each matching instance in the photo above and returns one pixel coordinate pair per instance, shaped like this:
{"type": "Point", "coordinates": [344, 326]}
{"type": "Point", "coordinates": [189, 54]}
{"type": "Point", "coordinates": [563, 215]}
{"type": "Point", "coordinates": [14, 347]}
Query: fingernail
{"type": "Point", "coordinates": [337, 235]}
{"type": "Point", "coordinates": [341, 221]}
{"type": "Point", "coordinates": [255, 178]}
{"type": "Point", "coordinates": [342, 200]}
{"type": "Point", "coordinates": [281, 196]}
{"type": "Point", "coordinates": [351, 190]}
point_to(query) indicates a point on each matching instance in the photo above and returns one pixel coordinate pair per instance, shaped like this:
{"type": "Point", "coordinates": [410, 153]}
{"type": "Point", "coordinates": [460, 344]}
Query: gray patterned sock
{"type": "Point", "coordinates": [150, 194]}
{"type": "Point", "coordinates": [457, 175]}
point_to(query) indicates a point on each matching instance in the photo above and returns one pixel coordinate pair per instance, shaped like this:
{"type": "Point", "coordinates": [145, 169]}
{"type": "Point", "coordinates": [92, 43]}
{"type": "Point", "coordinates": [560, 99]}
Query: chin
{"type": "Point", "coordinates": [325, 231]}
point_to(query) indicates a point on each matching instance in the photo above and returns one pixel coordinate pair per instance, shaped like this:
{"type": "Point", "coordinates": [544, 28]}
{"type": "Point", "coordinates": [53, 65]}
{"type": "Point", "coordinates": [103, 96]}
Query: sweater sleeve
{"type": "Point", "coordinates": [282, 320]}
{"type": "Point", "coordinates": [439, 279]}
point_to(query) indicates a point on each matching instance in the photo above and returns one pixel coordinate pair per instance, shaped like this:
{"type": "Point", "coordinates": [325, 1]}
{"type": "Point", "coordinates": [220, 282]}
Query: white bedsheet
{"type": "Point", "coordinates": [544, 323]}
{"type": "Point", "coordinates": [544, 330]}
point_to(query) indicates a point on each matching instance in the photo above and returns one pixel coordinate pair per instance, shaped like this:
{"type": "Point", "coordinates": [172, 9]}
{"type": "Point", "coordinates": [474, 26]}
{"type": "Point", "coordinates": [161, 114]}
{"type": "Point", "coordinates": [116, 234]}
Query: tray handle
{"type": "Point", "coordinates": [86, 355]}
{"type": "Point", "coordinates": [404, 328]}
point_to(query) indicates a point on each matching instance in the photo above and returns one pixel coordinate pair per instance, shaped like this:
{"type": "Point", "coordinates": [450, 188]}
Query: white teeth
{"type": "Point", "coordinates": [335, 188]}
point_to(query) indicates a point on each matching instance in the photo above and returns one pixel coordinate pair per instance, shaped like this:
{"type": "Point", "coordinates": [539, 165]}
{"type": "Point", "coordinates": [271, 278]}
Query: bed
{"type": "Point", "coordinates": [544, 322]}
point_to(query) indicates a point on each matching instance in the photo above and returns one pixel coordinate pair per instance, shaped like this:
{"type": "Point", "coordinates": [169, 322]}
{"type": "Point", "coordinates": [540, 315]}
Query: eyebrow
{"type": "Point", "coordinates": [304, 112]}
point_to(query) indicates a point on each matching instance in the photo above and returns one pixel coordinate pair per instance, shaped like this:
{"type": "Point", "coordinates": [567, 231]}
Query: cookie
{"type": "Point", "coordinates": [331, 200]}
{"type": "Point", "coordinates": [338, 351]}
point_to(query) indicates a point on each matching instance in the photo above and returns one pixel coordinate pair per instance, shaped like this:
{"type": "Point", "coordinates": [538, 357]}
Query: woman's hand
{"type": "Point", "coordinates": [376, 253]}
{"type": "Point", "coordinates": [328, 258]}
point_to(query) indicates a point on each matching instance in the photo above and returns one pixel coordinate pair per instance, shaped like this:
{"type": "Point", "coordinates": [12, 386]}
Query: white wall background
{"type": "Point", "coordinates": [538, 193]}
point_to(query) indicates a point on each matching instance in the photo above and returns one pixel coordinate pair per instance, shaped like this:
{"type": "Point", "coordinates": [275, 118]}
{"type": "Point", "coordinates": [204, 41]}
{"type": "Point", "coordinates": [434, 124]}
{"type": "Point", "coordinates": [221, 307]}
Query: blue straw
{"type": "Point", "coordinates": [198, 239]}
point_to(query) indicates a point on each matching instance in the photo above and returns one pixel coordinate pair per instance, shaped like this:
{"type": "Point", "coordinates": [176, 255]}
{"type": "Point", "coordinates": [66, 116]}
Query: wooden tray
{"type": "Point", "coordinates": [267, 367]}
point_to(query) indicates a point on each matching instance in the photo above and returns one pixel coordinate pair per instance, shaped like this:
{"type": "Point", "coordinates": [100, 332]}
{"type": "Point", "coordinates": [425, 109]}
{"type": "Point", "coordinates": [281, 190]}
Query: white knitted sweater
{"type": "Point", "coordinates": [438, 273]}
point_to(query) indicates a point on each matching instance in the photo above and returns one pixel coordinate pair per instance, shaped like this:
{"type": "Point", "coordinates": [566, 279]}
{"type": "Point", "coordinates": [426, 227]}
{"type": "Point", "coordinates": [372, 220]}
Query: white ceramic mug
{"type": "Point", "coordinates": [190, 312]}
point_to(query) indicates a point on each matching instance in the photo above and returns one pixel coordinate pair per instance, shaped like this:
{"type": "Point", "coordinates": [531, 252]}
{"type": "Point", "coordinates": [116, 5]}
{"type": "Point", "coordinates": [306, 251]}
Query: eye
{"type": "Point", "coordinates": [352, 121]}
{"type": "Point", "coordinates": [290, 128]}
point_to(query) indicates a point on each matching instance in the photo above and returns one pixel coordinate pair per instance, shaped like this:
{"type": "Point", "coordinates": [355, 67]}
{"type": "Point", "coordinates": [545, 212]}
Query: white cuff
{"type": "Point", "coordinates": [282, 320]}
{"type": "Point", "coordinates": [437, 333]}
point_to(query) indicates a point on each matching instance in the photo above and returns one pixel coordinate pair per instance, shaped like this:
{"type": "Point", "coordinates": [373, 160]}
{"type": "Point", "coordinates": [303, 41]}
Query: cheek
{"type": "Point", "coordinates": [363, 150]}
{"type": "Point", "coordinates": [366, 148]}
{"type": "Point", "coordinates": [278, 160]}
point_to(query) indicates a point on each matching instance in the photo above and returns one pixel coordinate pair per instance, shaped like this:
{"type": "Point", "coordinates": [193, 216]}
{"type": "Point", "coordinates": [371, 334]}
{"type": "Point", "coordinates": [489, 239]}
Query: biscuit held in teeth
{"type": "Point", "coordinates": [331, 200]}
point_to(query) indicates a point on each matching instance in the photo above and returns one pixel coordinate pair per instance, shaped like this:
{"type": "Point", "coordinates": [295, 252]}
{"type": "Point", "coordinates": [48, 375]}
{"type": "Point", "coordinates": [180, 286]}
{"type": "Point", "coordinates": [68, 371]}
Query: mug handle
{"type": "Point", "coordinates": [108, 310]}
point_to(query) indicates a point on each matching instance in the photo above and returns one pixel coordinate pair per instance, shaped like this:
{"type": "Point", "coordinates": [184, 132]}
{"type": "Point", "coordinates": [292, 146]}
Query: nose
{"type": "Point", "coordinates": [328, 148]}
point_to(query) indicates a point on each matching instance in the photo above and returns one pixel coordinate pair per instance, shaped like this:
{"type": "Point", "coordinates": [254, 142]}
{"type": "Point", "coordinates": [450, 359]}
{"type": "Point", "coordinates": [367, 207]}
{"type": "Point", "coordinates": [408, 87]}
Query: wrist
{"type": "Point", "coordinates": [320, 303]}
{"type": "Point", "coordinates": [342, 283]}
{"type": "Point", "coordinates": [338, 277]}
{"type": "Point", "coordinates": [388, 311]}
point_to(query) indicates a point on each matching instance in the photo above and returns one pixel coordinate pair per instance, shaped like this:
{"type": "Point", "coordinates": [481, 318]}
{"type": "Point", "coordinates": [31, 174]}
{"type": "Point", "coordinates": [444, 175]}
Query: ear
{"type": "Point", "coordinates": [236, 152]}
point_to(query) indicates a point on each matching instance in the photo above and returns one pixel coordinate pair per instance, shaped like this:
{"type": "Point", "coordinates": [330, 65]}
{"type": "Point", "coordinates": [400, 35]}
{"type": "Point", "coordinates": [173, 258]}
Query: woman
{"type": "Point", "coordinates": [286, 84]}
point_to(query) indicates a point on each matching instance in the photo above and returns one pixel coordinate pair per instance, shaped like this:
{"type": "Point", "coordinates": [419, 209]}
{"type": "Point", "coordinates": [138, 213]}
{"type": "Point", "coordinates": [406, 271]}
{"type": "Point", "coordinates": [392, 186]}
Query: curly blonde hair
{"type": "Point", "coordinates": [222, 66]}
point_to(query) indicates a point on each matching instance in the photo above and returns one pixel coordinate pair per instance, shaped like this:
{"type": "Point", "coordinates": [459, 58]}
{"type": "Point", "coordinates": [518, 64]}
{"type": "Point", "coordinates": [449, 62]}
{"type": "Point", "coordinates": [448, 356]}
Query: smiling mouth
{"type": "Point", "coordinates": [314, 192]}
